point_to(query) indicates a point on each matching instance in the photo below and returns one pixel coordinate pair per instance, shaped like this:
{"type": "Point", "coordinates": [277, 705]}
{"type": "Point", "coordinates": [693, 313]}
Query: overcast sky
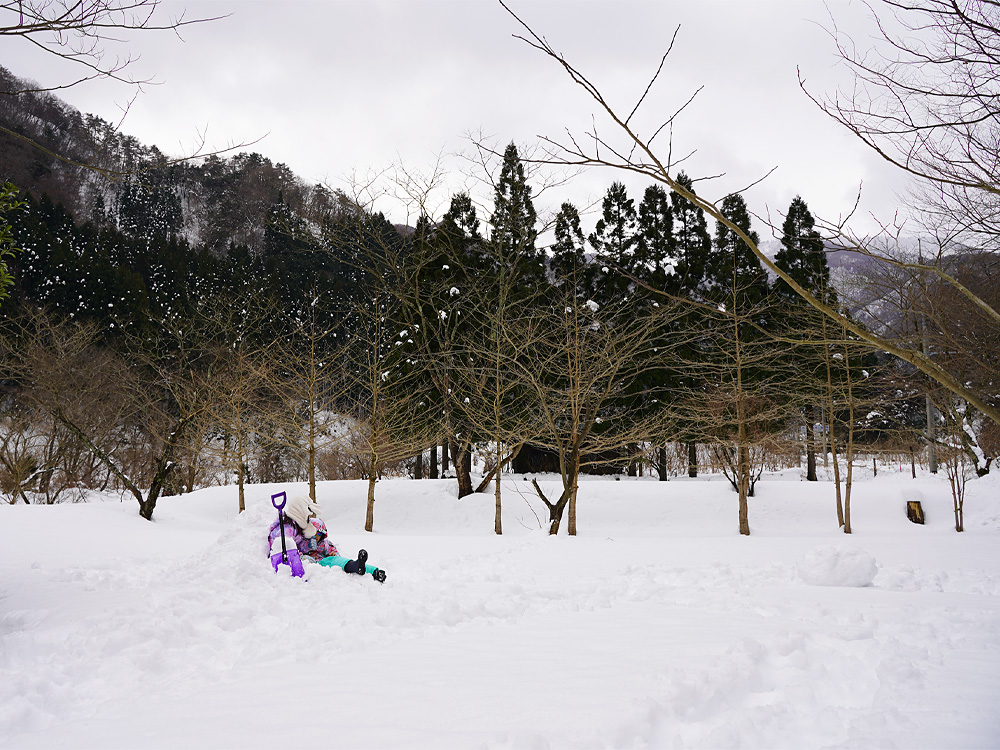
{"type": "Point", "coordinates": [343, 87]}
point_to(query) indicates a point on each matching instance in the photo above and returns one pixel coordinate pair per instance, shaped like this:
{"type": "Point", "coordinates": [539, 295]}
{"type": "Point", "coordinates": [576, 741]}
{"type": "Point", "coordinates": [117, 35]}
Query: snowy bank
{"type": "Point", "coordinates": [659, 626]}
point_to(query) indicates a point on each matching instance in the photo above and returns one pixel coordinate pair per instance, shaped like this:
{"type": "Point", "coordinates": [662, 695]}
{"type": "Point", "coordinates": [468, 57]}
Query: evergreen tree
{"type": "Point", "coordinates": [654, 239]}
{"type": "Point", "coordinates": [514, 218]}
{"type": "Point", "coordinates": [802, 255]}
{"type": "Point", "coordinates": [461, 214]}
{"type": "Point", "coordinates": [460, 242]}
{"type": "Point", "coordinates": [692, 241]}
{"type": "Point", "coordinates": [614, 241]}
{"type": "Point", "coordinates": [692, 245]}
{"type": "Point", "coordinates": [803, 258]}
{"type": "Point", "coordinates": [569, 263]}
{"type": "Point", "coordinates": [733, 274]}
{"type": "Point", "coordinates": [150, 208]}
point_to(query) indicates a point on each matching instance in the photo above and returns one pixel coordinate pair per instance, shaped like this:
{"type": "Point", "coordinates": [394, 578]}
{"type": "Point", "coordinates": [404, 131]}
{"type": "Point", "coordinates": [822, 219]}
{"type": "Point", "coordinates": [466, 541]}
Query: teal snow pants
{"type": "Point", "coordinates": [340, 562]}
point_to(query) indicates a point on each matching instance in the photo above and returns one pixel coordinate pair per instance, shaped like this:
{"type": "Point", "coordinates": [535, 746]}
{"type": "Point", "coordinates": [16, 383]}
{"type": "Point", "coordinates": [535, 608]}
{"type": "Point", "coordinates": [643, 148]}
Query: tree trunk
{"type": "Point", "coordinates": [555, 509]}
{"type": "Point", "coordinates": [146, 509]}
{"type": "Point", "coordinates": [848, 482]}
{"type": "Point", "coordinates": [164, 465]}
{"type": "Point", "coordinates": [370, 515]}
{"type": "Point", "coordinates": [495, 472]}
{"type": "Point", "coordinates": [836, 475]}
{"type": "Point", "coordinates": [571, 490]}
{"type": "Point", "coordinates": [239, 482]}
{"type": "Point", "coordinates": [850, 439]}
{"type": "Point", "coordinates": [497, 520]}
{"type": "Point", "coordinates": [836, 481]}
{"type": "Point", "coordinates": [418, 466]}
{"type": "Point", "coordinates": [312, 460]}
{"type": "Point", "coordinates": [810, 444]}
{"type": "Point", "coordinates": [433, 473]}
{"type": "Point", "coordinates": [743, 468]}
{"type": "Point", "coordinates": [661, 462]}
{"type": "Point", "coordinates": [463, 468]}
{"type": "Point", "coordinates": [556, 514]}
{"type": "Point", "coordinates": [692, 459]}
{"type": "Point", "coordinates": [444, 457]}
{"type": "Point", "coordinates": [241, 468]}
{"type": "Point", "coordinates": [571, 525]}
{"type": "Point", "coordinates": [830, 435]}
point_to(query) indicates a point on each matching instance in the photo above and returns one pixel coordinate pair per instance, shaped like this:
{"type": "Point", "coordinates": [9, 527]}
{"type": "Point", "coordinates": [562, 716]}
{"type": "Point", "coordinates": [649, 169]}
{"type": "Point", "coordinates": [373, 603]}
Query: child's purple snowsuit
{"type": "Point", "coordinates": [317, 547]}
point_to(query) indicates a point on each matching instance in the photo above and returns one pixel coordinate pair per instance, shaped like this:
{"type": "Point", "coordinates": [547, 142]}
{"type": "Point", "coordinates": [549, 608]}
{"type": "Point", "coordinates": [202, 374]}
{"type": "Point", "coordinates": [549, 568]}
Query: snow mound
{"type": "Point", "coordinates": [831, 565]}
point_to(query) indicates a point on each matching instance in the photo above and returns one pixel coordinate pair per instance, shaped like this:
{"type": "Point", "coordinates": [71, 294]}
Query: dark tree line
{"type": "Point", "coordinates": [342, 346]}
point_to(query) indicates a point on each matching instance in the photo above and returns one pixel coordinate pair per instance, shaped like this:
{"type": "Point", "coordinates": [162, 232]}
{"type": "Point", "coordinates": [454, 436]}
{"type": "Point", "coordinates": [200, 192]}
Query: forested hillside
{"type": "Point", "coordinates": [104, 176]}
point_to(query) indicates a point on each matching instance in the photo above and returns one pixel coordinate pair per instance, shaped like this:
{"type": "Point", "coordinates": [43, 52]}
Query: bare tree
{"type": "Point", "coordinates": [380, 396]}
{"type": "Point", "coordinates": [637, 153]}
{"type": "Point", "coordinates": [925, 101]}
{"type": "Point", "coordinates": [849, 399]}
{"type": "Point", "coordinates": [955, 458]}
{"type": "Point", "coordinates": [432, 316]}
{"type": "Point", "coordinates": [89, 391]}
{"type": "Point", "coordinates": [496, 402]}
{"type": "Point", "coordinates": [310, 380]}
{"type": "Point", "coordinates": [41, 456]}
{"type": "Point", "coordinates": [87, 33]}
{"type": "Point", "coordinates": [580, 366]}
{"type": "Point", "coordinates": [177, 360]}
{"type": "Point", "coordinates": [243, 389]}
{"type": "Point", "coordinates": [741, 401]}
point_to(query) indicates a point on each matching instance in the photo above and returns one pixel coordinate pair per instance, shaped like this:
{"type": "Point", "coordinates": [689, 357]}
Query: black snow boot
{"type": "Point", "coordinates": [362, 559]}
{"type": "Point", "coordinates": [379, 575]}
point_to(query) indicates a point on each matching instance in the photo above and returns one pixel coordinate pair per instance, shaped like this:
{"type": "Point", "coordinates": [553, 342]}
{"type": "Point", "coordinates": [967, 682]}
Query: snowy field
{"type": "Point", "coordinates": [657, 627]}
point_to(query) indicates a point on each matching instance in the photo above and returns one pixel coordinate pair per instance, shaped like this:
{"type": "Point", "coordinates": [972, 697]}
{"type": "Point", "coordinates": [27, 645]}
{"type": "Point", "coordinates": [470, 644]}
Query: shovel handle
{"type": "Point", "coordinates": [274, 500]}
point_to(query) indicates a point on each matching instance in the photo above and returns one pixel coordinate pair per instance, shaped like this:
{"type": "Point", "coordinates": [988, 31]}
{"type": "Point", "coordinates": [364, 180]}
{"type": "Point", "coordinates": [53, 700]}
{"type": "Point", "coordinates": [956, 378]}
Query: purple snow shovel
{"type": "Point", "coordinates": [286, 556]}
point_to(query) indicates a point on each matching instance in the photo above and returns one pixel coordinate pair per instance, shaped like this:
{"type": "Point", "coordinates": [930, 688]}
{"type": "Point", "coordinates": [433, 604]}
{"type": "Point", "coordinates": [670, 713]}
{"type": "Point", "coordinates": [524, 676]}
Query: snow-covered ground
{"type": "Point", "coordinates": [659, 626]}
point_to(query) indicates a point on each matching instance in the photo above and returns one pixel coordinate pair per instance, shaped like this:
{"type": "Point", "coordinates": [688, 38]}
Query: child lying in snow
{"type": "Point", "coordinates": [307, 532]}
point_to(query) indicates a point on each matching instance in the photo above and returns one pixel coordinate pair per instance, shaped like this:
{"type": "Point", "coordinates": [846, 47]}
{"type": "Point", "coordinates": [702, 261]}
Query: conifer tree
{"type": "Point", "coordinates": [802, 255]}
{"type": "Point", "coordinates": [461, 214]}
{"type": "Point", "coordinates": [514, 218]}
{"type": "Point", "coordinates": [803, 258]}
{"type": "Point", "coordinates": [654, 239]}
{"type": "Point", "coordinates": [692, 245]}
{"type": "Point", "coordinates": [460, 242]}
{"type": "Point", "coordinates": [732, 265]}
{"type": "Point", "coordinates": [436, 318]}
{"type": "Point", "coordinates": [614, 241]}
{"type": "Point", "coordinates": [692, 241]}
{"type": "Point", "coordinates": [569, 263]}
